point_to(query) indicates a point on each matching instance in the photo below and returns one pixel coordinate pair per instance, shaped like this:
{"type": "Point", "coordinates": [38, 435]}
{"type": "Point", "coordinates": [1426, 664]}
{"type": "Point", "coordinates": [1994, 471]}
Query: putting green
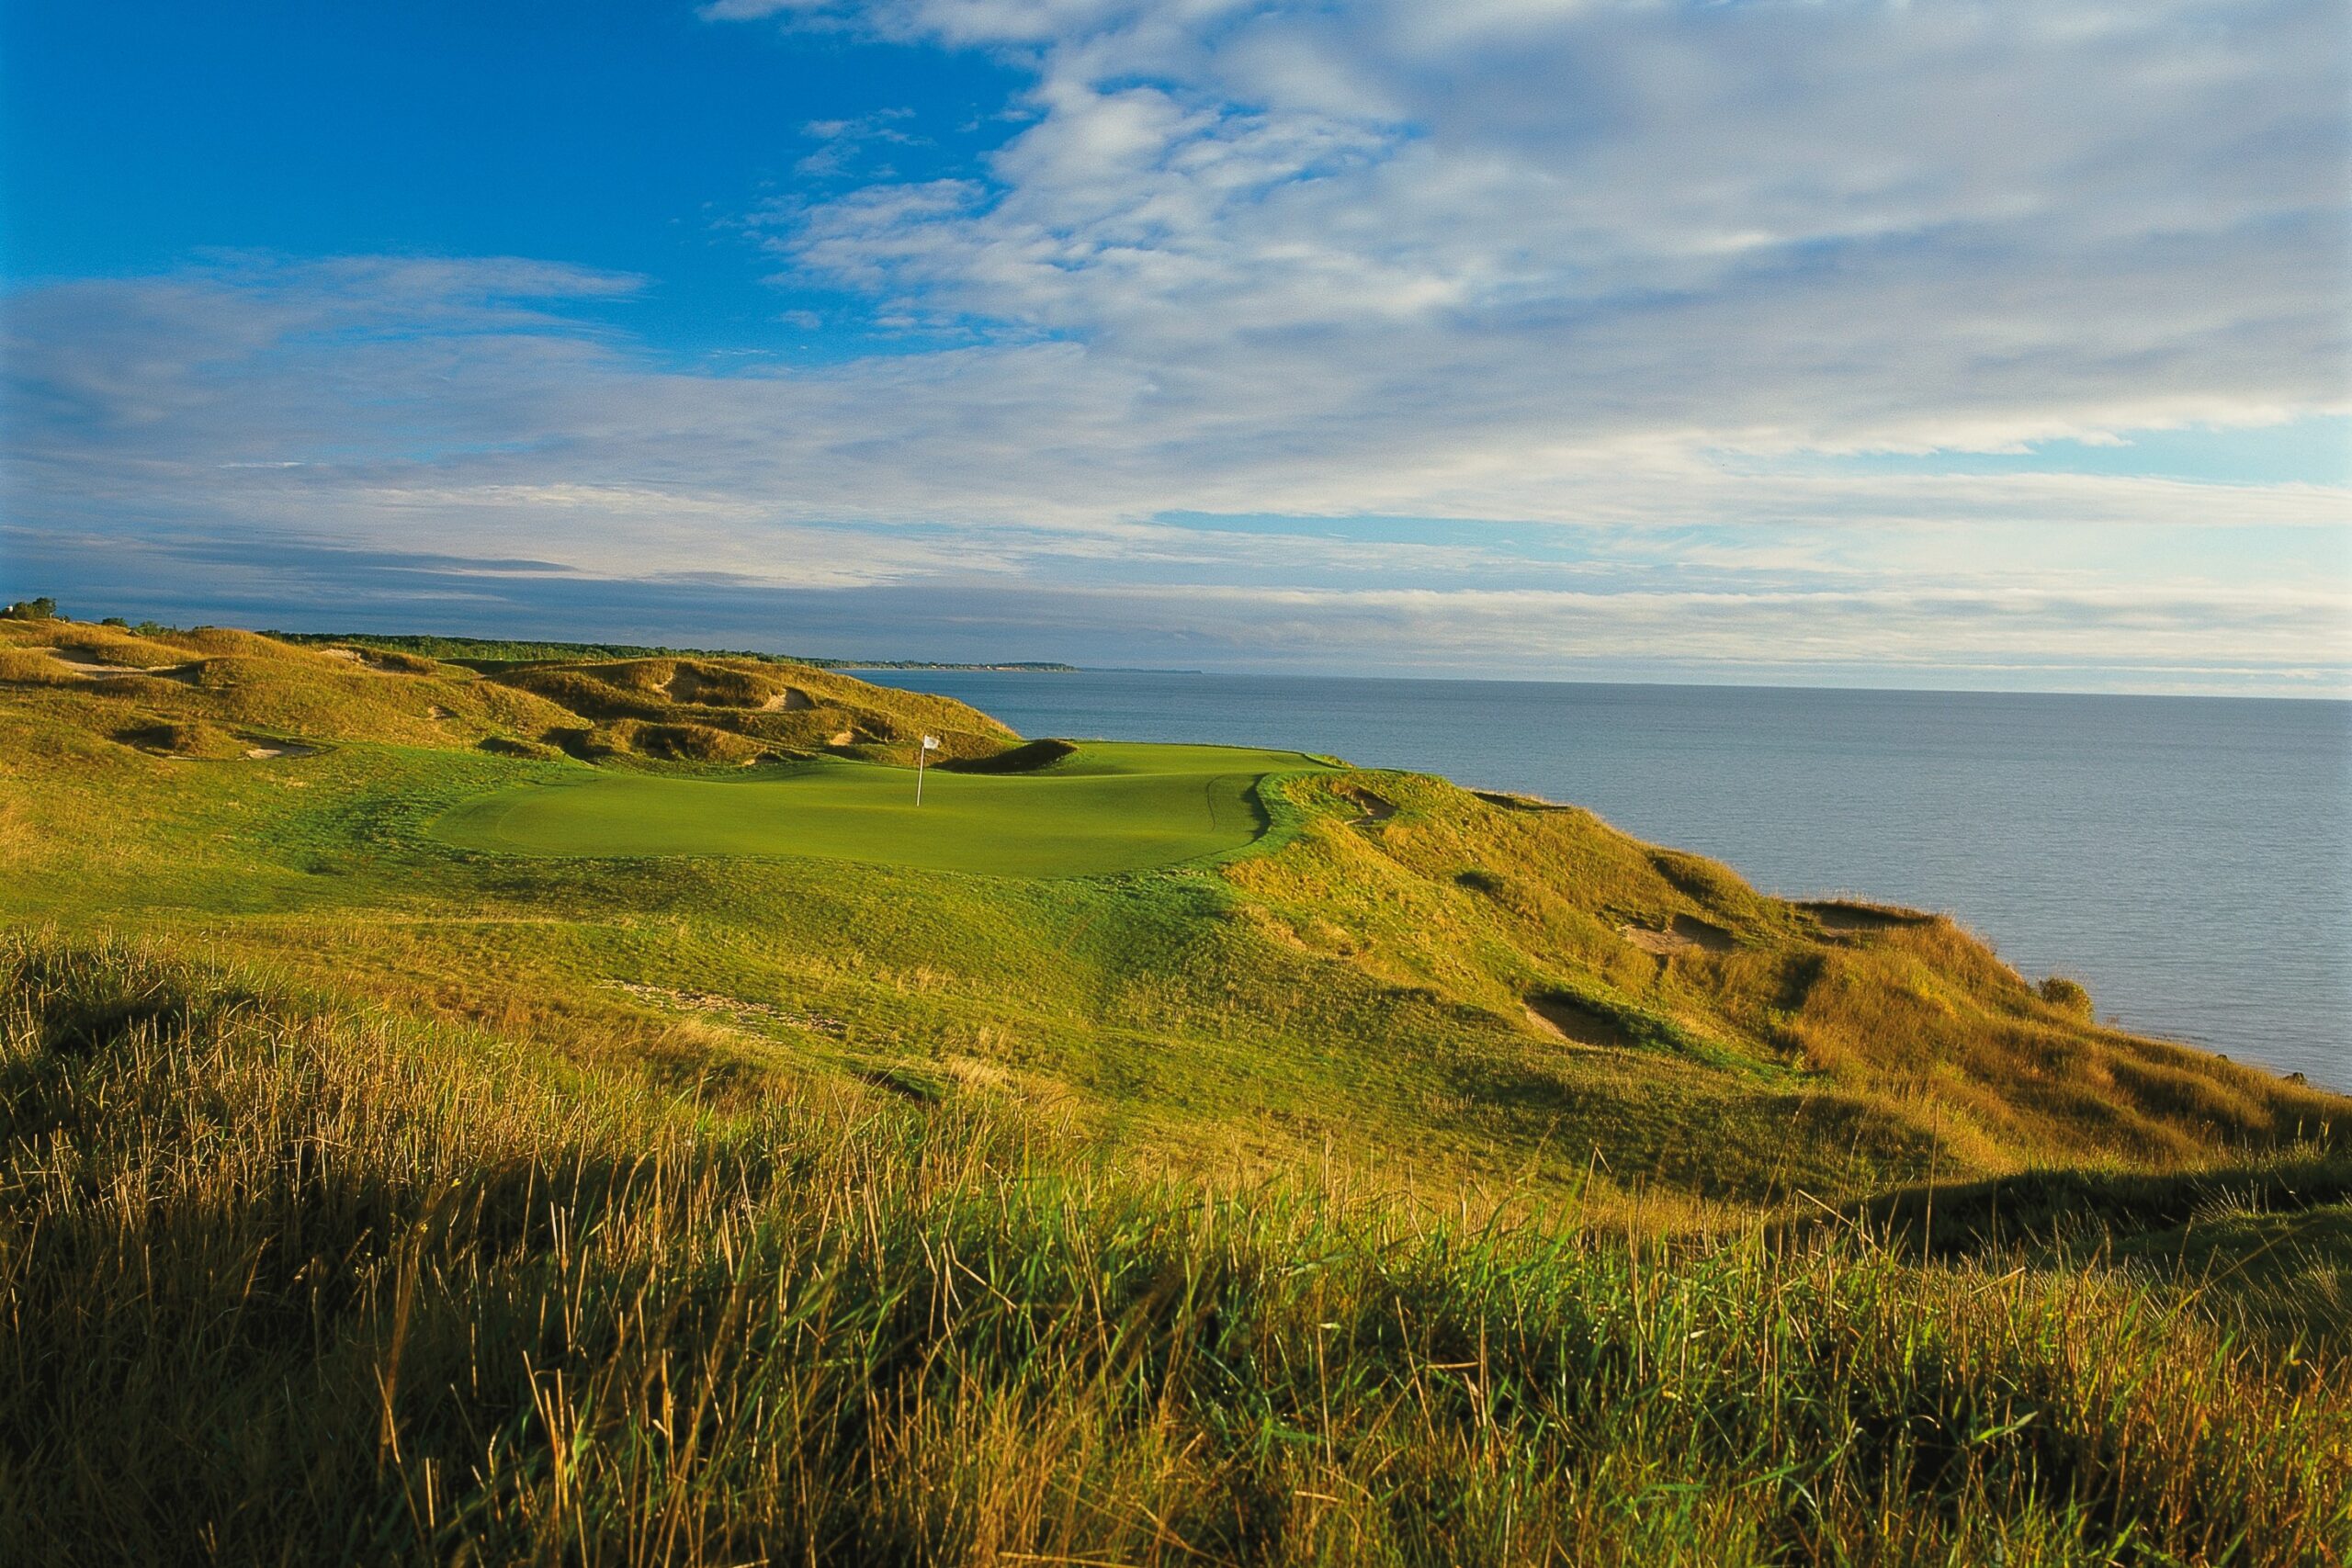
{"type": "Point", "coordinates": [1111, 806]}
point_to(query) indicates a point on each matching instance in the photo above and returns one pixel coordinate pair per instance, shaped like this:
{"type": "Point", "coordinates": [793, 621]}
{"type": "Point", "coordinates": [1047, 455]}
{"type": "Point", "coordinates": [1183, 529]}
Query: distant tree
{"type": "Point", "coordinates": [42, 609]}
{"type": "Point", "coordinates": [115, 621]}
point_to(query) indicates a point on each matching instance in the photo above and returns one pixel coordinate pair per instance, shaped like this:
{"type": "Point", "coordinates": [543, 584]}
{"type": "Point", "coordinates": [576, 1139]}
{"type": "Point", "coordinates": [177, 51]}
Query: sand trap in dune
{"type": "Point", "coordinates": [1510, 801]}
{"type": "Point", "coordinates": [687, 686]}
{"type": "Point", "coordinates": [183, 673]}
{"type": "Point", "coordinates": [267, 753]}
{"type": "Point", "coordinates": [1836, 915]}
{"type": "Point", "coordinates": [1571, 1023]}
{"type": "Point", "coordinates": [1685, 935]}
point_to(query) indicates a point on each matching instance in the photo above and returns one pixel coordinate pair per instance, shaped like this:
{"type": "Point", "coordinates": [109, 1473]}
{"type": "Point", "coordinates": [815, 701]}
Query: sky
{"type": "Point", "coordinates": [1948, 343]}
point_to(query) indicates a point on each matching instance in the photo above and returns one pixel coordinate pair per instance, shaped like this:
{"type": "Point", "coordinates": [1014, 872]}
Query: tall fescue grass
{"type": "Point", "coordinates": [280, 1285]}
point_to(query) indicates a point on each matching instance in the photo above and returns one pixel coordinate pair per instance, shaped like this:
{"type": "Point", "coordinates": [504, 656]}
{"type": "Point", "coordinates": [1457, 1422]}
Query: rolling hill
{"type": "Point", "coordinates": [1317, 1161]}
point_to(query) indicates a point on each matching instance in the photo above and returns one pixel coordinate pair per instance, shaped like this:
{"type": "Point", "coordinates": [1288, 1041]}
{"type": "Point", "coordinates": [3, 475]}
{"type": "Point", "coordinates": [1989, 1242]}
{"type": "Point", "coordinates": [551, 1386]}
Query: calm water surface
{"type": "Point", "coordinates": [2188, 858]}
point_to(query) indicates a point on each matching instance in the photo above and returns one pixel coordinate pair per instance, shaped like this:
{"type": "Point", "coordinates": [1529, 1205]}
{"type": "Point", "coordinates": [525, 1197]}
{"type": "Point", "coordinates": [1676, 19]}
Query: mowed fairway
{"type": "Point", "coordinates": [1110, 807]}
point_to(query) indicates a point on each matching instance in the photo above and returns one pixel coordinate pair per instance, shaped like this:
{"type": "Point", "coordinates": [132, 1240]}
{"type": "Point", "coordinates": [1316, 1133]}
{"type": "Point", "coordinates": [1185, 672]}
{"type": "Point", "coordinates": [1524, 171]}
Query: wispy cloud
{"type": "Point", "coordinates": [1619, 287]}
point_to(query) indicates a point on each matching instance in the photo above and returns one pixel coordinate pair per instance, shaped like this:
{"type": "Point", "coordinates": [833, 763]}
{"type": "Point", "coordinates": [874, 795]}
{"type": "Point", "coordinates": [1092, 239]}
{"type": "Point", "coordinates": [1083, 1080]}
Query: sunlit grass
{"type": "Point", "coordinates": [280, 1285]}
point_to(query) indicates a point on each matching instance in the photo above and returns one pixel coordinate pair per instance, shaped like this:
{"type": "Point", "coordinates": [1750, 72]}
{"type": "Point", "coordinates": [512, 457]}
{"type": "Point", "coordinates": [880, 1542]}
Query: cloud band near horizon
{"type": "Point", "coordinates": [1580, 339]}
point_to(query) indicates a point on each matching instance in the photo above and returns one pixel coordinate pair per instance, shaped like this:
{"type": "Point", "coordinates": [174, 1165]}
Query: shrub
{"type": "Point", "coordinates": [2068, 996]}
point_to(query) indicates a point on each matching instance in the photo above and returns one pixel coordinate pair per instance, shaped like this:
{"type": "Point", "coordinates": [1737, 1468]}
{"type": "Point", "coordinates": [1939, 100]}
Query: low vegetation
{"type": "Point", "coordinates": [1380, 1172]}
{"type": "Point", "coordinates": [288, 1286]}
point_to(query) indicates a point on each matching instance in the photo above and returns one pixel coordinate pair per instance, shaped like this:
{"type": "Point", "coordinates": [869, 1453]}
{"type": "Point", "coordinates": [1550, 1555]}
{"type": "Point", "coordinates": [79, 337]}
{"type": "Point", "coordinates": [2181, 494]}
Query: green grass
{"type": "Point", "coordinates": [1110, 808]}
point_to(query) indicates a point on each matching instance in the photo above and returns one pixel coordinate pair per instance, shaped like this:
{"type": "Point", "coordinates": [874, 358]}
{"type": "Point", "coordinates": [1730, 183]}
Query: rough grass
{"type": "Point", "coordinates": [1348, 990]}
{"type": "Point", "coordinates": [332, 693]}
{"type": "Point", "coordinates": [735, 697]}
{"type": "Point", "coordinates": [183, 737]}
{"type": "Point", "coordinates": [2266, 1242]}
{"type": "Point", "coordinates": [290, 1286]}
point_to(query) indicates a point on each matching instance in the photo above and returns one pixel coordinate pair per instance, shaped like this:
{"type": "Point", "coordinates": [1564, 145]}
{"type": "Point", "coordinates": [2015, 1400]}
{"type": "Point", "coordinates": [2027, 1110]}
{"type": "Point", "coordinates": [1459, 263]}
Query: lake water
{"type": "Point", "coordinates": [2188, 858]}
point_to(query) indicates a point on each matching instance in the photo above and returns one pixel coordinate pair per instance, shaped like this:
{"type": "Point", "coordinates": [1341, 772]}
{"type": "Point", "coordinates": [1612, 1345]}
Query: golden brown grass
{"type": "Point", "coordinates": [278, 1285]}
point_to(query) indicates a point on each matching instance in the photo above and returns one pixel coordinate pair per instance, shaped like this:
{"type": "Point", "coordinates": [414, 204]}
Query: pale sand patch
{"type": "Point", "coordinates": [438, 711]}
{"type": "Point", "coordinates": [1685, 935]}
{"type": "Point", "coordinates": [684, 686]}
{"type": "Point", "coordinates": [351, 654]}
{"type": "Point", "coordinates": [1847, 917]}
{"type": "Point", "coordinates": [183, 673]}
{"type": "Point", "coordinates": [266, 753]}
{"type": "Point", "coordinates": [734, 1009]}
{"type": "Point", "coordinates": [847, 738]}
{"type": "Point", "coordinates": [790, 697]}
{"type": "Point", "coordinates": [1373, 808]}
{"type": "Point", "coordinates": [1511, 801]}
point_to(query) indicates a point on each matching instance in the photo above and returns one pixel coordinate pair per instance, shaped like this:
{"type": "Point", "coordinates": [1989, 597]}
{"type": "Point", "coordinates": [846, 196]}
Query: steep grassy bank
{"type": "Point", "coordinates": [280, 1284]}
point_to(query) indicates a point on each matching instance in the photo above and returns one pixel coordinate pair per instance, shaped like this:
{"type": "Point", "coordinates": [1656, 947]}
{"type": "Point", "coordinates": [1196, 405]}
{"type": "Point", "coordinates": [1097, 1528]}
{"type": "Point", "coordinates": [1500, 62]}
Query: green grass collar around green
{"type": "Point", "coordinates": [1108, 808]}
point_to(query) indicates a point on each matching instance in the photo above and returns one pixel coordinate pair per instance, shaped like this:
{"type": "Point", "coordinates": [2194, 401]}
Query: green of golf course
{"type": "Point", "coordinates": [1108, 808]}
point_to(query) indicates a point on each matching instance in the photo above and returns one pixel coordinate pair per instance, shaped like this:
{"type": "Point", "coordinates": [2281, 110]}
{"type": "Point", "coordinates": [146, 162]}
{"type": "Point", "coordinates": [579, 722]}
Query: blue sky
{"type": "Point", "coordinates": [1930, 343]}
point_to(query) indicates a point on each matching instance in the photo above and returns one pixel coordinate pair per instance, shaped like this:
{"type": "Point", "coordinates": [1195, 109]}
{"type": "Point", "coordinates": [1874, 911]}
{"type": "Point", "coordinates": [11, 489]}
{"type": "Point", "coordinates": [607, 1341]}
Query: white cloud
{"type": "Point", "coordinates": [1618, 274]}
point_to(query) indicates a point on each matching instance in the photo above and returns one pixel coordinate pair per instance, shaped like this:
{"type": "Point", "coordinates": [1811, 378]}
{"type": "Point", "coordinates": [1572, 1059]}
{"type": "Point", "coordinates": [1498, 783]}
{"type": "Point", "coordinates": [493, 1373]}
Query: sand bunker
{"type": "Point", "coordinates": [1510, 801]}
{"type": "Point", "coordinates": [1839, 915]}
{"type": "Point", "coordinates": [183, 673]}
{"type": "Point", "coordinates": [270, 752]}
{"type": "Point", "coordinates": [1373, 808]}
{"type": "Point", "coordinates": [1573, 1023]}
{"type": "Point", "coordinates": [438, 711]}
{"type": "Point", "coordinates": [734, 1009]}
{"type": "Point", "coordinates": [1686, 935]}
{"type": "Point", "coordinates": [790, 697]}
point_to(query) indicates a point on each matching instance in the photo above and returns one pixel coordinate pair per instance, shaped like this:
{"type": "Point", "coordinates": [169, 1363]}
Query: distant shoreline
{"type": "Point", "coordinates": [1023, 669]}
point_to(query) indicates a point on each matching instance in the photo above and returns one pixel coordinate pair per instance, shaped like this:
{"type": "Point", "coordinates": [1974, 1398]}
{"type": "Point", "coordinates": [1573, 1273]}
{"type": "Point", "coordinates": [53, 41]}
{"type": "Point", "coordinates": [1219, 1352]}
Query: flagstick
{"type": "Point", "coordinates": [928, 744]}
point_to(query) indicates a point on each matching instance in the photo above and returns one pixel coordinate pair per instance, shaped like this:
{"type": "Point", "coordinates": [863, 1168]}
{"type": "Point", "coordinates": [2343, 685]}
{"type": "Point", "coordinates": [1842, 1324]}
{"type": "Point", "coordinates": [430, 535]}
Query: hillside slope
{"type": "Point", "coordinates": [1404, 980]}
{"type": "Point", "coordinates": [192, 692]}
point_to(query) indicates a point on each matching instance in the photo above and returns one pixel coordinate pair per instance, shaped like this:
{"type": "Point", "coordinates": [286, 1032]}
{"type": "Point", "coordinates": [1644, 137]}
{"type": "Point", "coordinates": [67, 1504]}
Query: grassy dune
{"type": "Point", "coordinates": [1145, 1154]}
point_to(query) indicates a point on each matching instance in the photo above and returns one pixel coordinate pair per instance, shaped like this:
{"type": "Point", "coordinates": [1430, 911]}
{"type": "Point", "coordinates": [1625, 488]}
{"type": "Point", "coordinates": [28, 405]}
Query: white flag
{"type": "Point", "coordinates": [930, 743]}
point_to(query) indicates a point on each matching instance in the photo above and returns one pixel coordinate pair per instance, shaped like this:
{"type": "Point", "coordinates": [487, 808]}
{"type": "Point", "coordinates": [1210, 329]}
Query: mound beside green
{"type": "Point", "coordinates": [1108, 808]}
